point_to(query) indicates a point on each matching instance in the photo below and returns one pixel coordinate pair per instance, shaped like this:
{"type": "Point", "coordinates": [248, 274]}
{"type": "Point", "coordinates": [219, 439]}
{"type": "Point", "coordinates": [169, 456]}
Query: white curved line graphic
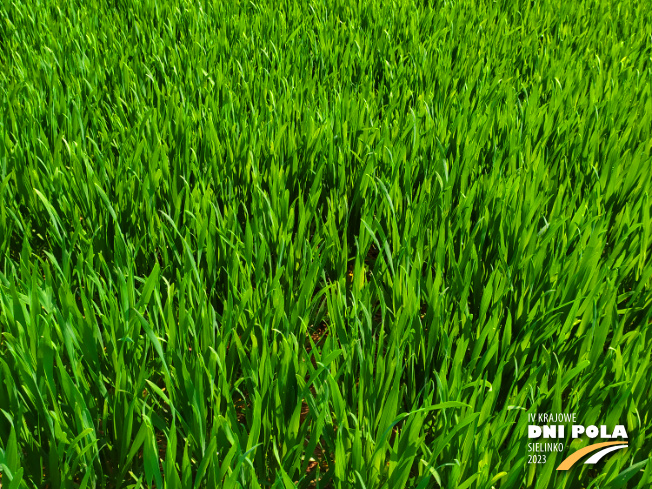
{"type": "Point", "coordinates": [596, 458]}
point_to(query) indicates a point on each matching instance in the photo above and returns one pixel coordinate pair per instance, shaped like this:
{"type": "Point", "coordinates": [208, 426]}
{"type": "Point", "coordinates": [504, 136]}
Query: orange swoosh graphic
{"type": "Point", "coordinates": [570, 461]}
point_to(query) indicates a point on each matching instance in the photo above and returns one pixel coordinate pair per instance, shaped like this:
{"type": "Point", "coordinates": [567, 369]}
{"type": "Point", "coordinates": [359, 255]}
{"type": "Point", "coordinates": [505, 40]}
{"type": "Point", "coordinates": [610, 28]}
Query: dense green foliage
{"type": "Point", "coordinates": [339, 244]}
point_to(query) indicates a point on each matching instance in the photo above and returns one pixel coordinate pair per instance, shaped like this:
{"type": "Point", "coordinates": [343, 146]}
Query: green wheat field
{"type": "Point", "coordinates": [323, 244]}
